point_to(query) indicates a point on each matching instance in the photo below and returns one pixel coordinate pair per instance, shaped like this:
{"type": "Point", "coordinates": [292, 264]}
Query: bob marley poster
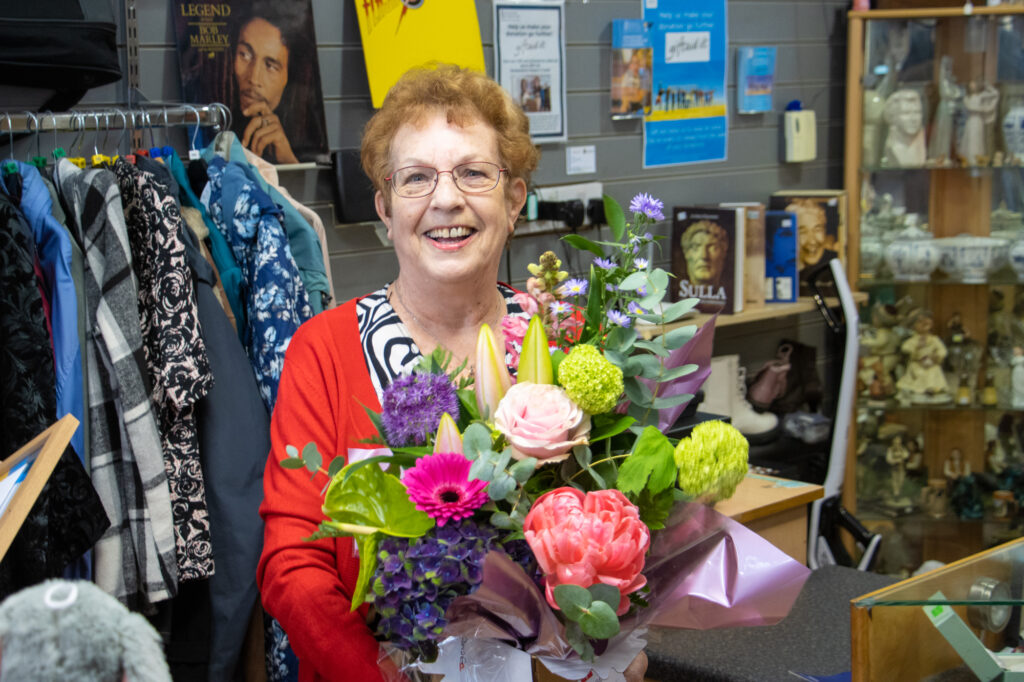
{"type": "Point", "coordinates": [258, 57]}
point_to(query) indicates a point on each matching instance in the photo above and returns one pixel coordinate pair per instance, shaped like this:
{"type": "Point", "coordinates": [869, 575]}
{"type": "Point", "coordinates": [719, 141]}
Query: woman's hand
{"type": "Point", "coordinates": [265, 130]}
{"type": "Point", "coordinates": [637, 669]}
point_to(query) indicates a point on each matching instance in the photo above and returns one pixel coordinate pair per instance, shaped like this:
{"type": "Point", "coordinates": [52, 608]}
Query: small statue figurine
{"type": "Point", "coordinates": [904, 145]}
{"type": "Point", "coordinates": [951, 95]}
{"type": "Point", "coordinates": [1017, 378]}
{"type": "Point", "coordinates": [955, 467]}
{"type": "Point", "coordinates": [896, 456]}
{"type": "Point", "coordinates": [980, 104]}
{"type": "Point", "coordinates": [995, 456]}
{"type": "Point", "coordinates": [880, 346]}
{"type": "Point", "coordinates": [923, 381]}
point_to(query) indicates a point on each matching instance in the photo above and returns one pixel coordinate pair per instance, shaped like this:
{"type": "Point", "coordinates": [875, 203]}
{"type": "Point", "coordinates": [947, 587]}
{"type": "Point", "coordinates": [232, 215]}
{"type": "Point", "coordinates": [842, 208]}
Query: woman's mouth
{"type": "Point", "coordinates": [450, 236]}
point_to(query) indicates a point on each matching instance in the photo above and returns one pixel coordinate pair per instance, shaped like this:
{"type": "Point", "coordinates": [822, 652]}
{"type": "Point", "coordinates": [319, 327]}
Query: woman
{"type": "Point", "coordinates": [449, 153]}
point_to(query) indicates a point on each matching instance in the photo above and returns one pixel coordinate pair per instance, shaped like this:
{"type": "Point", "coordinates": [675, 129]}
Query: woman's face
{"type": "Point", "coordinates": [449, 236]}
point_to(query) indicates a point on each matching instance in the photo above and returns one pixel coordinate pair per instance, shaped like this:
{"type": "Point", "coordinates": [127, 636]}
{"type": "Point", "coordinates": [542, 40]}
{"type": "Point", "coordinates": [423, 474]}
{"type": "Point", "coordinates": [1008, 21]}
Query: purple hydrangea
{"type": "Point", "coordinates": [648, 205]}
{"type": "Point", "coordinates": [413, 405]}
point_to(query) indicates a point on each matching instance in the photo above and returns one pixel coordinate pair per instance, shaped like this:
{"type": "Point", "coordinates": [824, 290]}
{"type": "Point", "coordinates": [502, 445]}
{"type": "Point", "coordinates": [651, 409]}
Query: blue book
{"type": "Point", "coordinates": [780, 269]}
{"type": "Point", "coordinates": [755, 79]}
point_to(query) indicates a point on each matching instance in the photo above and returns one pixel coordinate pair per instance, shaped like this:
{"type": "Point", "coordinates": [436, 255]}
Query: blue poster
{"type": "Point", "coordinates": [688, 121]}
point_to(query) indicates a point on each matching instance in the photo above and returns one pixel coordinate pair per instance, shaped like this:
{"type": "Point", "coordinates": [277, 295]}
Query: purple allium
{"type": "Point", "coordinates": [413, 405]}
{"type": "Point", "coordinates": [560, 308]}
{"type": "Point", "coordinates": [439, 485]}
{"type": "Point", "coordinates": [615, 317]}
{"type": "Point", "coordinates": [575, 287]}
{"type": "Point", "coordinates": [640, 263]}
{"type": "Point", "coordinates": [648, 205]}
{"type": "Point", "coordinates": [604, 263]}
{"type": "Point", "coordinates": [635, 309]}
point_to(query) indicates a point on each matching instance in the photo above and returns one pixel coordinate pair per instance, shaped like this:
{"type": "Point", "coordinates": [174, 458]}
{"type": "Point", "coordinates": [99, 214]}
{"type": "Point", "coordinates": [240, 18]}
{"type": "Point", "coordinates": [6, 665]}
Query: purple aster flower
{"type": "Point", "coordinates": [641, 291]}
{"type": "Point", "coordinates": [648, 205]}
{"type": "Point", "coordinates": [413, 405]}
{"type": "Point", "coordinates": [604, 263]}
{"type": "Point", "coordinates": [439, 485]}
{"type": "Point", "coordinates": [635, 309]}
{"type": "Point", "coordinates": [610, 287]}
{"type": "Point", "coordinates": [560, 308]}
{"type": "Point", "coordinates": [575, 287]}
{"type": "Point", "coordinates": [640, 263]}
{"type": "Point", "coordinates": [615, 317]}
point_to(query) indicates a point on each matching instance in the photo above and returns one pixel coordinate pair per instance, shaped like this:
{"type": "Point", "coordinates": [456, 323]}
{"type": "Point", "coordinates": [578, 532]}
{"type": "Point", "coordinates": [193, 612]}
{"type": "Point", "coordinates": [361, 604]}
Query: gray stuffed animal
{"type": "Point", "coordinates": [72, 630]}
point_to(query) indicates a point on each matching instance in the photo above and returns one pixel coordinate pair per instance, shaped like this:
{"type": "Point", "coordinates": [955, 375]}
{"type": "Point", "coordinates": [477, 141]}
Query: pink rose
{"type": "Point", "coordinates": [514, 329]}
{"type": "Point", "coordinates": [584, 539]}
{"type": "Point", "coordinates": [541, 421]}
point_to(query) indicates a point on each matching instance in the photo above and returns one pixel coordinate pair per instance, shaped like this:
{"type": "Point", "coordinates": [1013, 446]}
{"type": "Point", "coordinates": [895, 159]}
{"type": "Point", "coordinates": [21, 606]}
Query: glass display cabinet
{"type": "Point", "coordinates": [934, 168]}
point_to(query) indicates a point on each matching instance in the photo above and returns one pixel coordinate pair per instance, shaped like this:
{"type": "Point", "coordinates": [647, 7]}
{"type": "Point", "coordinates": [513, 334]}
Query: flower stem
{"type": "Point", "coordinates": [601, 461]}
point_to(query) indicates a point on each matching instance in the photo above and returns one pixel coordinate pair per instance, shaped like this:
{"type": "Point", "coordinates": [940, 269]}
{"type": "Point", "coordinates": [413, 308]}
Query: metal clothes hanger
{"type": "Point", "coordinates": [76, 144]}
{"type": "Point", "coordinates": [10, 166]}
{"type": "Point", "coordinates": [39, 161]}
{"type": "Point", "coordinates": [98, 159]}
{"type": "Point", "coordinates": [193, 152]}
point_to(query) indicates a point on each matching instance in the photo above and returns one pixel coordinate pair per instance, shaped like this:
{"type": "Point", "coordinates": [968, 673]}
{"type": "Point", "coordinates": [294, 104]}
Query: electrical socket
{"type": "Point", "coordinates": [584, 191]}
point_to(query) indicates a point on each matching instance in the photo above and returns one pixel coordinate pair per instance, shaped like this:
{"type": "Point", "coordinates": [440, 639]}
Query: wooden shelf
{"type": "Point", "coordinates": [935, 12]}
{"type": "Point", "coordinates": [769, 311]}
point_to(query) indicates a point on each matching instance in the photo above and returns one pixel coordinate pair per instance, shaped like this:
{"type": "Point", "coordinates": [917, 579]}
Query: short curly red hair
{"type": "Point", "coordinates": [465, 96]}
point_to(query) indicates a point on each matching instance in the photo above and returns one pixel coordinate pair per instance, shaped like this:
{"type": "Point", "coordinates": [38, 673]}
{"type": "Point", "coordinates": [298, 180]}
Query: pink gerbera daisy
{"type": "Point", "coordinates": [439, 485]}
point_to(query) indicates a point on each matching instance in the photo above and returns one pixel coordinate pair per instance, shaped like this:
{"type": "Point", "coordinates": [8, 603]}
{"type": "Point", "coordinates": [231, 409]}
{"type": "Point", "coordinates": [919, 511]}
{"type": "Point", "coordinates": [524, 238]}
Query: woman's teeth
{"type": "Point", "coordinates": [449, 233]}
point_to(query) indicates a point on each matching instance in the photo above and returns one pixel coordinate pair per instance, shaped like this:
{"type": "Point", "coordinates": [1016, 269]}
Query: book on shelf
{"type": "Point", "coordinates": [753, 252]}
{"type": "Point", "coordinates": [707, 256]}
{"type": "Point", "coordinates": [780, 238]}
{"type": "Point", "coordinates": [821, 225]}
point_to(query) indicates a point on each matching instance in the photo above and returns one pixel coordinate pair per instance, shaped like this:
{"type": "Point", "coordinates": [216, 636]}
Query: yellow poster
{"type": "Point", "coordinates": [400, 34]}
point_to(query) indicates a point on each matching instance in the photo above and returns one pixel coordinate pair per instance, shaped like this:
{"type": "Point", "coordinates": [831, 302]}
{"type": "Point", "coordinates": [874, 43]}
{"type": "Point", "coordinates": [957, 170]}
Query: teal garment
{"type": "Point", "coordinates": [302, 238]}
{"type": "Point", "coordinates": [227, 267]}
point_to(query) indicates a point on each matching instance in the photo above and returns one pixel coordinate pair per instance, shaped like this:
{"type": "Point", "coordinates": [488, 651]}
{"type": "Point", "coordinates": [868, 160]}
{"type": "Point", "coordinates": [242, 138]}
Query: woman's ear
{"type": "Point", "coordinates": [382, 211]}
{"type": "Point", "coordinates": [516, 201]}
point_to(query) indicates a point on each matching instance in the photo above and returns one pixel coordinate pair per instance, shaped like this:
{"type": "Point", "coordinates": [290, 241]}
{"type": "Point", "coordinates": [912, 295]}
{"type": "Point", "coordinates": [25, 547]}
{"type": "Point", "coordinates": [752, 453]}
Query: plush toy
{"type": "Point", "coordinates": [72, 630]}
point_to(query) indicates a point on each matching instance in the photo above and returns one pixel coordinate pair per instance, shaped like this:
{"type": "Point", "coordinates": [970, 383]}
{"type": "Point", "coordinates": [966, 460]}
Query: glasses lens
{"type": "Point", "coordinates": [414, 181]}
{"type": "Point", "coordinates": [478, 176]}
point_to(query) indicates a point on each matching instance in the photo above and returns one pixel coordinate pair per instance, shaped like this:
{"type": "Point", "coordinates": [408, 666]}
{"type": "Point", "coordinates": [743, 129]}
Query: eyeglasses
{"type": "Point", "coordinates": [474, 177]}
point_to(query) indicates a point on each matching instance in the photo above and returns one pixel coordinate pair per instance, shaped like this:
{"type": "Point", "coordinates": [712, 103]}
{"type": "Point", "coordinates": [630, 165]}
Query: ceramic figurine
{"type": "Point", "coordinates": [951, 95]}
{"type": "Point", "coordinates": [955, 467]}
{"type": "Point", "coordinates": [896, 456]}
{"type": "Point", "coordinates": [980, 104]}
{"type": "Point", "coordinates": [1017, 378]}
{"type": "Point", "coordinates": [923, 381]}
{"type": "Point", "coordinates": [904, 144]}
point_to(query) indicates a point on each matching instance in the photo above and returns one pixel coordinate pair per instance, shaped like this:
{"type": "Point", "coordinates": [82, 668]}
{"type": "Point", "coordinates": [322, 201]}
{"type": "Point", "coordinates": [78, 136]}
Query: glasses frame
{"type": "Point", "coordinates": [390, 179]}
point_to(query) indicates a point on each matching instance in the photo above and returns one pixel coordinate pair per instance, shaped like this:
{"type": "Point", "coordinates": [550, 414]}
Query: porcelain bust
{"type": "Point", "coordinates": [905, 144]}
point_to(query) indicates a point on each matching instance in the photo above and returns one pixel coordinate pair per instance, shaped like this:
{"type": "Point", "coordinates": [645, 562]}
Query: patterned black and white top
{"type": "Point", "coordinates": [389, 350]}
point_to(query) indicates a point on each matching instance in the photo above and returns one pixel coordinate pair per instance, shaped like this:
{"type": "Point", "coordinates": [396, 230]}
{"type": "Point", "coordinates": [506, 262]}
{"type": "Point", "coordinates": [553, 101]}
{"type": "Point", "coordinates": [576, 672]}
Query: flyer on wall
{"type": "Point", "coordinates": [259, 59]}
{"type": "Point", "coordinates": [688, 122]}
{"type": "Point", "coordinates": [529, 45]}
{"type": "Point", "coordinates": [631, 69]}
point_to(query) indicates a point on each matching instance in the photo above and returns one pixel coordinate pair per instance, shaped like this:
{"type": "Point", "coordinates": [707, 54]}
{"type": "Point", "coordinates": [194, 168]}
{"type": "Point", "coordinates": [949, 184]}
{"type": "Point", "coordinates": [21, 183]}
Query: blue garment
{"type": "Point", "coordinates": [274, 297]}
{"type": "Point", "coordinates": [53, 246]}
{"type": "Point", "coordinates": [227, 266]}
{"type": "Point", "coordinates": [302, 239]}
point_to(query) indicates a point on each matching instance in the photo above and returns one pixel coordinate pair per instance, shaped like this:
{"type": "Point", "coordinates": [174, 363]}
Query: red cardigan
{"type": "Point", "coordinates": [306, 585]}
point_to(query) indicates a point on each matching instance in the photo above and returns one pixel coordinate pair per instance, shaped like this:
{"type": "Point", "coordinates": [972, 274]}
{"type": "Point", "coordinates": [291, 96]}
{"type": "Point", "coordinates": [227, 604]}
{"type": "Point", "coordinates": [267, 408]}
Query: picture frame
{"type": "Point", "coordinates": [24, 473]}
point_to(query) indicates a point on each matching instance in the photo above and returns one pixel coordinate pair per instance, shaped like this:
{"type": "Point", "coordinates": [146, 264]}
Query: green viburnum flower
{"type": "Point", "coordinates": [590, 380]}
{"type": "Point", "coordinates": [712, 461]}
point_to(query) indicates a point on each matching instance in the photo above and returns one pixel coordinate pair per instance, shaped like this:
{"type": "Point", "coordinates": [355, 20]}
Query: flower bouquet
{"type": "Point", "coordinates": [549, 516]}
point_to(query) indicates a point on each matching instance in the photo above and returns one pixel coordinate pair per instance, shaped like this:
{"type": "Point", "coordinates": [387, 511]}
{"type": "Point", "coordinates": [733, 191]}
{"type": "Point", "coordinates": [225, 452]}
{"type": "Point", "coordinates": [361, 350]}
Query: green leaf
{"type": "Point", "coordinates": [651, 459]}
{"type": "Point", "coordinates": [677, 338]}
{"type": "Point", "coordinates": [579, 642]}
{"type": "Point", "coordinates": [523, 469]}
{"type": "Point", "coordinates": [677, 372]}
{"type": "Point", "coordinates": [647, 366]}
{"type": "Point", "coordinates": [469, 411]}
{"type": "Point", "coordinates": [291, 450]}
{"type": "Point", "coordinates": [671, 401]}
{"type": "Point", "coordinates": [556, 359]}
{"type": "Point", "coordinates": [367, 545]}
{"type": "Point", "coordinates": [293, 463]}
{"type": "Point", "coordinates": [600, 621]}
{"type": "Point", "coordinates": [615, 217]}
{"type": "Point", "coordinates": [656, 348]}
{"type": "Point", "coordinates": [595, 305]}
{"type": "Point", "coordinates": [501, 486]}
{"type": "Point", "coordinates": [604, 428]}
{"type": "Point", "coordinates": [637, 392]}
{"type": "Point", "coordinates": [573, 600]}
{"type": "Point", "coordinates": [500, 519]}
{"type": "Point", "coordinates": [374, 417]}
{"type": "Point", "coordinates": [482, 469]}
{"type": "Point", "coordinates": [395, 458]}
{"type": "Point", "coordinates": [476, 440]}
{"type": "Point", "coordinates": [336, 465]}
{"type": "Point", "coordinates": [655, 509]}
{"type": "Point", "coordinates": [621, 339]}
{"type": "Point", "coordinates": [634, 281]}
{"type": "Point", "coordinates": [371, 497]}
{"type": "Point", "coordinates": [659, 280]}
{"type": "Point", "coordinates": [583, 244]}
{"type": "Point", "coordinates": [606, 593]}
{"type": "Point", "coordinates": [679, 308]}
{"type": "Point", "coordinates": [311, 456]}
{"type": "Point", "coordinates": [583, 455]}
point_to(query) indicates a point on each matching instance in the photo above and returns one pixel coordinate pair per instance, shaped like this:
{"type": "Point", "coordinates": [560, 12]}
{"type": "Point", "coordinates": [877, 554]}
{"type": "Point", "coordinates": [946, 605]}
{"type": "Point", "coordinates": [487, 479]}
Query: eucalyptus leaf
{"type": "Point", "coordinates": [637, 392]}
{"type": "Point", "coordinates": [647, 366]}
{"type": "Point", "coordinates": [600, 621]}
{"type": "Point", "coordinates": [679, 308]}
{"type": "Point", "coordinates": [583, 455]}
{"type": "Point", "coordinates": [671, 401]}
{"type": "Point", "coordinates": [501, 486]}
{"type": "Point", "coordinates": [656, 348]}
{"type": "Point", "coordinates": [606, 593]}
{"type": "Point", "coordinates": [615, 357]}
{"type": "Point", "coordinates": [476, 440]}
{"type": "Point", "coordinates": [677, 338]}
{"type": "Point", "coordinates": [311, 456]}
{"type": "Point", "coordinates": [291, 450]}
{"type": "Point", "coordinates": [573, 600]}
{"type": "Point", "coordinates": [634, 281]}
{"type": "Point", "coordinates": [677, 372]}
{"type": "Point", "coordinates": [659, 279]}
{"type": "Point", "coordinates": [293, 463]}
{"type": "Point", "coordinates": [621, 338]}
{"type": "Point", "coordinates": [336, 465]}
{"type": "Point", "coordinates": [578, 641]}
{"type": "Point", "coordinates": [482, 470]}
{"type": "Point", "coordinates": [500, 519]}
{"type": "Point", "coordinates": [523, 469]}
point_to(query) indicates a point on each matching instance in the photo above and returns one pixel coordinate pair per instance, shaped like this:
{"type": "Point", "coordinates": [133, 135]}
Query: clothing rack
{"type": "Point", "coordinates": [115, 118]}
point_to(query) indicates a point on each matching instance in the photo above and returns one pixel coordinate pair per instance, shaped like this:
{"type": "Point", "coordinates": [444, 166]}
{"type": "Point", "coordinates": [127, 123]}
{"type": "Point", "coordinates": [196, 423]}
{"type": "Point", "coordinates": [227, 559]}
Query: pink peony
{"type": "Point", "coordinates": [541, 421]}
{"type": "Point", "coordinates": [584, 539]}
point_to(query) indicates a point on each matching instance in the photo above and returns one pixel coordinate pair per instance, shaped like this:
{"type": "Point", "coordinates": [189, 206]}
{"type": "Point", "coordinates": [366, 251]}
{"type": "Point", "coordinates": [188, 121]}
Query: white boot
{"type": "Point", "coordinates": [725, 392]}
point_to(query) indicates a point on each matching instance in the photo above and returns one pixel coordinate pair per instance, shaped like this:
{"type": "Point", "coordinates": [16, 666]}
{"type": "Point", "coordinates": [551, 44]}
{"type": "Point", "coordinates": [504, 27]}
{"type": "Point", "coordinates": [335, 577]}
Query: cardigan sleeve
{"type": "Point", "coordinates": [306, 585]}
